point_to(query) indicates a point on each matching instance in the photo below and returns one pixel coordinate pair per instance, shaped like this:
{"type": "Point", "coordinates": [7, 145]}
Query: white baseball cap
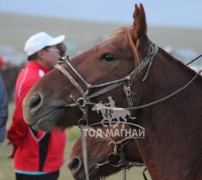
{"type": "Point", "coordinates": [40, 40]}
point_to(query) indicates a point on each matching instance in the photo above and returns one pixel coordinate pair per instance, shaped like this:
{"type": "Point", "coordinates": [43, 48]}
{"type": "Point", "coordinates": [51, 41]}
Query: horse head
{"type": "Point", "coordinates": [10, 73]}
{"type": "Point", "coordinates": [107, 62]}
{"type": "Point", "coordinates": [98, 156]}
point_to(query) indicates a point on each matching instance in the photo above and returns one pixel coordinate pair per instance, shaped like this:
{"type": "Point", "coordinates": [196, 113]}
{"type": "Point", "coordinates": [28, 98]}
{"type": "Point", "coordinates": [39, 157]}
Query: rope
{"type": "Point", "coordinates": [194, 59]}
{"type": "Point", "coordinates": [144, 175]}
{"type": "Point", "coordinates": [134, 49]}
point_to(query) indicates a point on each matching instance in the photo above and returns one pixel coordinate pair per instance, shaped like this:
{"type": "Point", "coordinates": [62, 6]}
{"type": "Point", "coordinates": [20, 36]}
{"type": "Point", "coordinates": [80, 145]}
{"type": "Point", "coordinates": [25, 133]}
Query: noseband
{"type": "Point", "coordinates": [116, 158]}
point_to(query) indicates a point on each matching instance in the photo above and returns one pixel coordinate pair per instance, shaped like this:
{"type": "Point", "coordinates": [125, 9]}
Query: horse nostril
{"type": "Point", "coordinates": [34, 101]}
{"type": "Point", "coordinates": [74, 164]}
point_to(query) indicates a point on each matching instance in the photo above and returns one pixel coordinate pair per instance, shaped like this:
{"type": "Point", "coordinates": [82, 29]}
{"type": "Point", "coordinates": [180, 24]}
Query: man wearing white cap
{"type": "Point", "coordinates": [37, 155]}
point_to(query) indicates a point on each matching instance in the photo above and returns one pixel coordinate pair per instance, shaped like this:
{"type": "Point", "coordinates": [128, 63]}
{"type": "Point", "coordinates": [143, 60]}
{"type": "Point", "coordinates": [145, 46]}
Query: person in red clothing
{"type": "Point", "coordinates": [37, 155]}
{"type": "Point", "coordinates": [2, 61]}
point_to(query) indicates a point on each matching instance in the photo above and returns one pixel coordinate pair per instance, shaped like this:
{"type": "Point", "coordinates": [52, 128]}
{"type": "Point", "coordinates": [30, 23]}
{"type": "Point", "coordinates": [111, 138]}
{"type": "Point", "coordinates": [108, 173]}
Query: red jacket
{"type": "Point", "coordinates": [2, 61]}
{"type": "Point", "coordinates": [37, 151]}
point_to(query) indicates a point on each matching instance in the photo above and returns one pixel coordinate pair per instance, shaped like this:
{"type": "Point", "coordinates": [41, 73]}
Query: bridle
{"type": "Point", "coordinates": [108, 86]}
{"type": "Point", "coordinates": [117, 158]}
{"type": "Point", "coordinates": [83, 102]}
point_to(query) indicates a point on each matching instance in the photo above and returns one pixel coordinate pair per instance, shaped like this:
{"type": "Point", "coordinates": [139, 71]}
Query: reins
{"type": "Point", "coordinates": [194, 60]}
{"type": "Point", "coordinates": [160, 100]}
{"type": "Point", "coordinates": [154, 102]}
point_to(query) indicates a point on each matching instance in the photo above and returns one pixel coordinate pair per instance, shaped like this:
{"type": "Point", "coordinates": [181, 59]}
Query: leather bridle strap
{"type": "Point", "coordinates": [104, 90]}
{"type": "Point", "coordinates": [108, 86]}
{"type": "Point", "coordinates": [71, 79]}
{"type": "Point", "coordinates": [109, 140]}
{"type": "Point", "coordinates": [84, 150]}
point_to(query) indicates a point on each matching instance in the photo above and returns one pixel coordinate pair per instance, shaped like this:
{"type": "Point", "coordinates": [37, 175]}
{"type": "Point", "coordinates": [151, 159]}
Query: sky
{"type": "Point", "coordinates": [177, 13]}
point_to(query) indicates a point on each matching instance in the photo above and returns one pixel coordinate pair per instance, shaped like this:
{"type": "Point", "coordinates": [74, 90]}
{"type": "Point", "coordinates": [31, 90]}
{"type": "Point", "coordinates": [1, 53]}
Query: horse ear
{"type": "Point", "coordinates": [139, 24]}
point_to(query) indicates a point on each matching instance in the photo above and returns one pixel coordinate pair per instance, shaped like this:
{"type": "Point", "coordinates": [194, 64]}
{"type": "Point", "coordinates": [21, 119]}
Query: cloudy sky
{"type": "Point", "coordinates": [180, 13]}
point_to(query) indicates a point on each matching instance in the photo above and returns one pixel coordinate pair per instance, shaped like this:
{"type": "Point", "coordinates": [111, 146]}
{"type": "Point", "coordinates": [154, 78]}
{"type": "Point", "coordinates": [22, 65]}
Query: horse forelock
{"type": "Point", "coordinates": [127, 32]}
{"type": "Point", "coordinates": [120, 31]}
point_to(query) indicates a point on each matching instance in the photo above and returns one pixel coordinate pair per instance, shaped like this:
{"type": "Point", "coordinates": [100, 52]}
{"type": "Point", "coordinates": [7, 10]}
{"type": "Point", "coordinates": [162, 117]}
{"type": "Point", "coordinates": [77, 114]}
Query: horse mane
{"type": "Point", "coordinates": [127, 32]}
{"type": "Point", "coordinates": [179, 63]}
{"type": "Point", "coordinates": [120, 31]}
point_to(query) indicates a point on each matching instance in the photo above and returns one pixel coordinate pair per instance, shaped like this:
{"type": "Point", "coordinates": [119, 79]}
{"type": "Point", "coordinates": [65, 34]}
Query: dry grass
{"type": "Point", "coordinates": [15, 29]}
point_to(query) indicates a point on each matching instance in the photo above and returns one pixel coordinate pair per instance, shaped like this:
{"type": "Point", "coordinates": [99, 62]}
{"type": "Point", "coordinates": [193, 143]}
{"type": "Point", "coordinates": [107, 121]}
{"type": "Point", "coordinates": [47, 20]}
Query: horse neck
{"type": "Point", "coordinates": [173, 127]}
{"type": "Point", "coordinates": [131, 152]}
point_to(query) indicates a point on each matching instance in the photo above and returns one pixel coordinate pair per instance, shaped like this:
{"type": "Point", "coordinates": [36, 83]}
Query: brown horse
{"type": "Point", "coordinates": [10, 73]}
{"type": "Point", "coordinates": [100, 164]}
{"type": "Point", "coordinates": [172, 147]}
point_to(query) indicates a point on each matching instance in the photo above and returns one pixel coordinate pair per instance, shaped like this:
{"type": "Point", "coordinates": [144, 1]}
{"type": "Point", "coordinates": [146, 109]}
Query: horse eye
{"type": "Point", "coordinates": [107, 58]}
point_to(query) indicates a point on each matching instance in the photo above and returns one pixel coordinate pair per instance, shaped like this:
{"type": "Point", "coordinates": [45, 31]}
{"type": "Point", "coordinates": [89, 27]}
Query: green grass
{"type": "Point", "coordinates": [6, 164]}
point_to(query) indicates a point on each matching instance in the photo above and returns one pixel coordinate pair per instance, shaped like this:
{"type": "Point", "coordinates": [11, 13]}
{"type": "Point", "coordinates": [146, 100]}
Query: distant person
{"type": "Point", "coordinates": [2, 61]}
{"type": "Point", "coordinates": [3, 109]}
{"type": "Point", "coordinates": [37, 155]}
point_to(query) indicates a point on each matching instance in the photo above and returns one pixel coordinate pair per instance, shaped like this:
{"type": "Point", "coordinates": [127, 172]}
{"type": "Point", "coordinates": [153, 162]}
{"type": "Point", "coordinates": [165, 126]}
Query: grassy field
{"type": "Point", "coordinates": [6, 164]}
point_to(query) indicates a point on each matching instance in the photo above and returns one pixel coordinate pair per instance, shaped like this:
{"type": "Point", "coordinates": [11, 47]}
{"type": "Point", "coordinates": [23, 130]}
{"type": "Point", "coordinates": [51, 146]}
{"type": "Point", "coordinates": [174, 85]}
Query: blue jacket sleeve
{"type": "Point", "coordinates": [3, 109]}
